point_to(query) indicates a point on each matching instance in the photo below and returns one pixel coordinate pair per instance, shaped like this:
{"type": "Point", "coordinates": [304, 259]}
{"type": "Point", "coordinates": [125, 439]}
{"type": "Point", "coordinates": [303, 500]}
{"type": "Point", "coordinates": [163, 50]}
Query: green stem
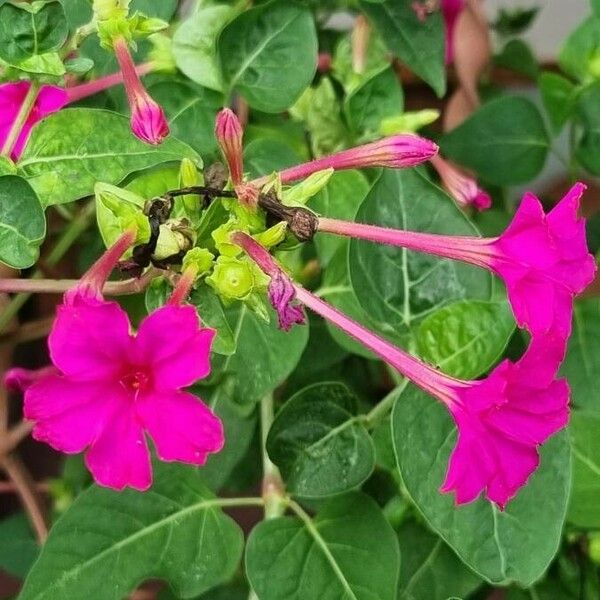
{"type": "Point", "coordinates": [75, 228]}
{"type": "Point", "coordinates": [233, 502]}
{"type": "Point", "coordinates": [22, 116]}
{"type": "Point", "coordinates": [272, 488]}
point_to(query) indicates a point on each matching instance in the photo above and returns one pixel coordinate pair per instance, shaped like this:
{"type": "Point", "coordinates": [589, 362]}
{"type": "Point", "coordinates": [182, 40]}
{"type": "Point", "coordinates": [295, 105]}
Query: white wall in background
{"type": "Point", "coordinates": [555, 20]}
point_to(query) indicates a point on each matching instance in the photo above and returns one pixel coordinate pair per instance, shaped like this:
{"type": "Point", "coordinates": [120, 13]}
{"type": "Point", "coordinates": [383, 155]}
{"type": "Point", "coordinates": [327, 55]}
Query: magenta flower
{"type": "Point", "coordinates": [229, 134]}
{"type": "Point", "coordinates": [460, 186]}
{"type": "Point", "coordinates": [396, 152]}
{"type": "Point", "coordinates": [148, 121]}
{"type": "Point", "coordinates": [282, 294]}
{"type": "Point", "coordinates": [543, 259]}
{"type": "Point", "coordinates": [501, 420]}
{"type": "Point", "coordinates": [451, 10]}
{"type": "Point", "coordinates": [49, 100]}
{"type": "Point", "coordinates": [110, 389]}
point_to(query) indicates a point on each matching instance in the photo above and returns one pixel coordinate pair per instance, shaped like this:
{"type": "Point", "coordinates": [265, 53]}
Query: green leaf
{"type": "Point", "coordinates": [466, 338]}
{"type": "Point", "coordinates": [377, 98]}
{"type": "Point", "coordinates": [420, 45]}
{"type": "Point", "coordinates": [585, 440]}
{"type": "Point", "coordinates": [49, 63]}
{"type": "Point", "coordinates": [195, 42]}
{"type": "Point", "coordinates": [348, 552]}
{"type": "Point", "coordinates": [27, 29]}
{"type": "Point", "coordinates": [559, 96]}
{"type": "Point", "coordinates": [319, 443]}
{"type": "Point", "coordinates": [518, 56]}
{"type": "Point", "coordinates": [22, 223]}
{"type": "Point", "coordinates": [580, 54]}
{"type": "Point", "coordinates": [191, 112]}
{"type": "Point", "coordinates": [258, 49]}
{"type": "Point", "coordinates": [264, 354]}
{"type": "Point", "coordinates": [398, 288]}
{"type": "Point", "coordinates": [264, 156]}
{"type": "Point", "coordinates": [175, 531]}
{"type": "Point", "coordinates": [429, 569]}
{"type": "Point", "coordinates": [165, 9]}
{"type": "Point", "coordinates": [514, 21]}
{"type": "Point", "coordinates": [588, 147]}
{"type": "Point", "coordinates": [505, 141]}
{"type": "Point", "coordinates": [19, 549]}
{"type": "Point", "coordinates": [73, 149]}
{"type": "Point", "coordinates": [582, 364]}
{"type": "Point", "coordinates": [511, 546]}
{"type": "Point", "coordinates": [339, 200]}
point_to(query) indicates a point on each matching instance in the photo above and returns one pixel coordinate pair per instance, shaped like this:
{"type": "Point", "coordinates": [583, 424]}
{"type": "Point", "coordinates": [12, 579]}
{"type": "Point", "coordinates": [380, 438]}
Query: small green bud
{"type": "Point", "coordinates": [112, 29]}
{"type": "Point", "coordinates": [199, 258]}
{"type": "Point", "coordinates": [408, 122]}
{"type": "Point", "coordinates": [248, 219]}
{"type": "Point", "coordinates": [593, 64]}
{"type": "Point", "coordinates": [594, 548]}
{"type": "Point", "coordinates": [232, 278]}
{"type": "Point", "coordinates": [105, 10]}
{"type": "Point", "coordinates": [311, 186]}
{"type": "Point", "coordinates": [173, 238]}
{"type": "Point", "coordinates": [221, 236]}
{"type": "Point", "coordinates": [272, 236]}
{"type": "Point", "coordinates": [189, 176]}
{"type": "Point", "coordinates": [143, 26]}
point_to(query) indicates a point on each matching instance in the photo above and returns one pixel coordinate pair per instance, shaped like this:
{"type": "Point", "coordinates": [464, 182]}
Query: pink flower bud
{"type": "Point", "coordinates": [460, 186]}
{"type": "Point", "coordinates": [148, 120]}
{"type": "Point", "coordinates": [229, 134]}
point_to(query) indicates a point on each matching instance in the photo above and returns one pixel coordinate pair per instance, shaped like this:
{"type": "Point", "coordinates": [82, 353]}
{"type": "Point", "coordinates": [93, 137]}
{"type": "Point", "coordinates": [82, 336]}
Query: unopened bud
{"type": "Point", "coordinates": [200, 259]}
{"type": "Point", "coordinates": [303, 191]}
{"type": "Point", "coordinates": [229, 134]}
{"type": "Point", "coordinates": [408, 122]}
{"type": "Point", "coordinates": [272, 236]}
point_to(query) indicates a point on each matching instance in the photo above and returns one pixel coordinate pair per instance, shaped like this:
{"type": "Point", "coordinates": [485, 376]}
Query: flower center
{"type": "Point", "coordinates": [135, 381]}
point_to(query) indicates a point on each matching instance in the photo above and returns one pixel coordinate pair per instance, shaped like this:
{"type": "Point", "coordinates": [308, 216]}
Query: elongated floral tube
{"type": "Point", "coordinates": [148, 121]}
{"type": "Point", "coordinates": [501, 420]}
{"type": "Point", "coordinates": [397, 152]}
{"type": "Point", "coordinates": [543, 259]}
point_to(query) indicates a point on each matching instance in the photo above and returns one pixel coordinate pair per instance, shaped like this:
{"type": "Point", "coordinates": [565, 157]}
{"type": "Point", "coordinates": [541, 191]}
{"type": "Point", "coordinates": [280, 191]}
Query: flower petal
{"type": "Point", "coordinates": [182, 427]}
{"type": "Point", "coordinates": [173, 343]}
{"type": "Point", "coordinates": [68, 415]}
{"type": "Point", "coordinates": [90, 338]}
{"type": "Point", "coordinates": [119, 457]}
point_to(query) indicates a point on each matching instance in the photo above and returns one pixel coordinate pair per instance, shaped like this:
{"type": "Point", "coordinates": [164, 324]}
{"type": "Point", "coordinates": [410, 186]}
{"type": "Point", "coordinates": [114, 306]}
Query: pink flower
{"type": "Point", "coordinates": [110, 390]}
{"type": "Point", "coordinates": [461, 187]}
{"type": "Point", "coordinates": [49, 100]}
{"type": "Point", "coordinates": [543, 259]}
{"type": "Point", "coordinates": [282, 294]}
{"type": "Point", "coordinates": [396, 152]}
{"type": "Point", "coordinates": [229, 134]}
{"type": "Point", "coordinates": [451, 10]}
{"type": "Point", "coordinates": [148, 121]}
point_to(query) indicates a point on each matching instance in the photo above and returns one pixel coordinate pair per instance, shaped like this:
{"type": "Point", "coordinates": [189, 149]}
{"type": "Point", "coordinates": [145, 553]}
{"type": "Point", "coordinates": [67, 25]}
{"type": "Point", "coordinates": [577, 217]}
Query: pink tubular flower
{"type": "Point", "coordinates": [148, 121]}
{"type": "Point", "coordinates": [396, 152]}
{"type": "Point", "coordinates": [12, 95]}
{"type": "Point", "coordinates": [543, 259]}
{"type": "Point", "coordinates": [451, 10]}
{"type": "Point", "coordinates": [229, 134]}
{"type": "Point", "coordinates": [281, 291]}
{"type": "Point", "coordinates": [501, 420]}
{"type": "Point", "coordinates": [110, 389]}
{"type": "Point", "coordinates": [461, 187]}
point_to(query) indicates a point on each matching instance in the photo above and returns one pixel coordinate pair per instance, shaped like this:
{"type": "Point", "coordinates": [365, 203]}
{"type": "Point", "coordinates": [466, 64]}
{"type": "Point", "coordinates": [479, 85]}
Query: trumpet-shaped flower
{"type": "Point", "coordinates": [543, 259]}
{"type": "Point", "coordinates": [110, 390]}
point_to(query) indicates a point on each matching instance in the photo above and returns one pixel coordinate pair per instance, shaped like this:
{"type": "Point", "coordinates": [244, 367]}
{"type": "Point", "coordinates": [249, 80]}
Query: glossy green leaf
{"type": "Point", "coordinates": [27, 29]}
{"type": "Point", "coordinates": [377, 98]}
{"type": "Point", "coordinates": [191, 112]}
{"type": "Point", "coordinates": [18, 549]}
{"type": "Point", "coordinates": [195, 45]}
{"type": "Point", "coordinates": [398, 288]}
{"type": "Point", "coordinates": [515, 545]}
{"type": "Point", "coordinates": [264, 354]}
{"type": "Point", "coordinates": [558, 95]}
{"type": "Point", "coordinates": [319, 443]}
{"type": "Point", "coordinates": [517, 56]}
{"type": "Point", "coordinates": [264, 156]}
{"type": "Point", "coordinates": [22, 223]}
{"type": "Point", "coordinates": [73, 149]}
{"type": "Point", "coordinates": [429, 569]}
{"type": "Point", "coordinates": [588, 147]}
{"type": "Point", "coordinates": [504, 141]}
{"type": "Point", "coordinates": [49, 63]}
{"type": "Point", "coordinates": [465, 338]}
{"type": "Point", "coordinates": [257, 49]}
{"type": "Point", "coordinates": [339, 200]}
{"type": "Point", "coordinates": [175, 531]}
{"type": "Point", "coordinates": [348, 552]}
{"type": "Point", "coordinates": [585, 495]}
{"type": "Point", "coordinates": [582, 363]}
{"type": "Point", "coordinates": [581, 51]}
{"type": "Point", "coordinates": [420, 45]}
